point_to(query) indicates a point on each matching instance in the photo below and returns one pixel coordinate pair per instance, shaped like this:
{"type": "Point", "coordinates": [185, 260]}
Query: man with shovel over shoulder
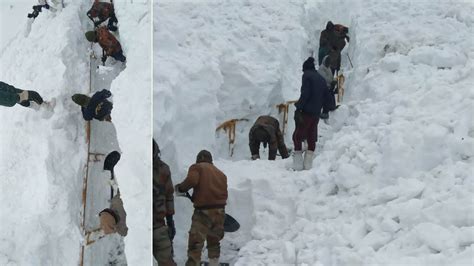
{"type": "Point", "coordinates": [209, 186]}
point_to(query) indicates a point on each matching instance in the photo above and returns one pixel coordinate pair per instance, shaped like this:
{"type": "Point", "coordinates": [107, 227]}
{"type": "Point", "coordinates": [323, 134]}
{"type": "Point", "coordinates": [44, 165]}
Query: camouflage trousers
{"type": "Point", "coordinates": [162, 247]}
{"type": "Point", "coordinates": [207, 225]}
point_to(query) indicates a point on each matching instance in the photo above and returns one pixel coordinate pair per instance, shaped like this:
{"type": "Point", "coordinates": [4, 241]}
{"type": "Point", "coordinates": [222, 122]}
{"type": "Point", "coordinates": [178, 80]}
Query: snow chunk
{"type": "Point", "coordinates": [375, 239]}
{"type": "Point", "coordinates": [438, 57]}
{"type": "Point", "coordinates": [435, 236]}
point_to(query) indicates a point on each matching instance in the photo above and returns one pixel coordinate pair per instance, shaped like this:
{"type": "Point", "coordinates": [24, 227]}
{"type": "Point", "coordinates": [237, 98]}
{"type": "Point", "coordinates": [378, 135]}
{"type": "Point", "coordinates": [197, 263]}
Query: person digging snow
{"type": "Point", "coordinates": [100, 12]}
{"type": "Point", "coordinates": [209, 186]}
{"type": "Point", "coordinates": [110, 45]}
{"type": "Point", "coordinates": [114, 218]}
{"type": "Point", "coordinates": [163, 207]}
{"type": "Point", "coordinates": [314, 96]}
{"type": "Point", "coordinates": [97, 107]}
{"type": "Point", "coordinates": [9, 96]}
{"type": "Point", "coordinates": [266, 130]}
{"type": "Point", "coordinates": [325, 72]}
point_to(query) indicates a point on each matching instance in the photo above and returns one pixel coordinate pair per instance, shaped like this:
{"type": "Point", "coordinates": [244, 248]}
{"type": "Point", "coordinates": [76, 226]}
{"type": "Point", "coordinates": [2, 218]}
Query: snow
{"type": "Point", "coordinates": [132, 117]}
{"type": "Point", "coordinates": [392, 181]}
{"type": "Point", "coordinates": [44, 152]}
{"type": "Point", "coordinates": [42, 158]}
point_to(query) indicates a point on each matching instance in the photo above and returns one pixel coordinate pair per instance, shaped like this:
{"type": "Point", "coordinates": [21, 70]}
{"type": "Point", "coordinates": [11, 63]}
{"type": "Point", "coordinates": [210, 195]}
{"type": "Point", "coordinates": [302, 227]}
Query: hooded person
{"type": "Point", "coordinates": [97, 107]}
{"type": "Point", "coordinates": [163, 209]}
{"type": "Point", "coordinates": [325, 71]}
{"type": "Point", "coordinates": [9, 96]}
{"type": "Point", "coordinates": [102, 11]}
{"type": "Point", "coordinates": [314, 96]}
{"type": "Point", "coordinates": [266, 130]}
{"type": "Point", "coordinates": [209, 197]}
{"type": "Point", "coordinates": [110, 45]}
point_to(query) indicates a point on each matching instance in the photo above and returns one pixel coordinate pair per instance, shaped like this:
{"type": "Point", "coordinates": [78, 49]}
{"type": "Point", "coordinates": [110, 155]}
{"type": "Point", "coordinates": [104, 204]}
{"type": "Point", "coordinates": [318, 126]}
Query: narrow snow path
{"type": "Point", "coordinates": [103, 140]}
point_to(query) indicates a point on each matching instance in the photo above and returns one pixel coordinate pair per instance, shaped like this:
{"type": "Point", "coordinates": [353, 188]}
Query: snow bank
{"type": "Point", "coordinates": [43, 153]}
{"type": "Point", "coordinates": [392, 182]}
{"type": "Point", "coordinates": [132, 118]}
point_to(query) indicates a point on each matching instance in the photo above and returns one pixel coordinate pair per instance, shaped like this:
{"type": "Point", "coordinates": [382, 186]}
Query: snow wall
{"type": "Point", "coordinates": [392, 178]}
{"type": "Point", "coordinates": [132, 109]}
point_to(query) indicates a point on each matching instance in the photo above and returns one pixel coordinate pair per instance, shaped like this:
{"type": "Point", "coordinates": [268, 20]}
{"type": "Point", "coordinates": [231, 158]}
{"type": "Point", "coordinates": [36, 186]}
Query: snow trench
{"type": "Point", "coordinates": [392, 177]}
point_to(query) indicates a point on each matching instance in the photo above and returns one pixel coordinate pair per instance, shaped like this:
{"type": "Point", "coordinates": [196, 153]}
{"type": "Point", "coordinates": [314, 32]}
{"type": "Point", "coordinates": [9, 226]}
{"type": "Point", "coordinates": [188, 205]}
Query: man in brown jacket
{"type": "Point", "coordinates": [267, 130]}
{"type": "Point", "coordinates": [209, 186]}
{"type": "Point", "coordinates": [110, 45]}
{"type": "Point", "coordinates": [163, 207]}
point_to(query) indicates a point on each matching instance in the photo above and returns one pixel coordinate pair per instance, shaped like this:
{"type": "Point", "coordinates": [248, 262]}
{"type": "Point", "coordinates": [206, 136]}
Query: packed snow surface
{"type": "Point", "coordinates": [392, 182]}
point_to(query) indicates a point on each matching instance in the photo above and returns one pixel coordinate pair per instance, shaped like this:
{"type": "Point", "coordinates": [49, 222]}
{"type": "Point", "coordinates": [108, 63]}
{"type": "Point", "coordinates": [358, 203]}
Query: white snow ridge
{"type": "Point", "coordinates": [392, 182]}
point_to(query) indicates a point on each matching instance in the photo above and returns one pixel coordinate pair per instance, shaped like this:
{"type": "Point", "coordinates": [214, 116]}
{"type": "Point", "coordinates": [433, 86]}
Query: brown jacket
{"type": "Point", "coordinates": [163, 202]}
{"type": "Point", "coordinates": [273, 137]}
{"type": "Point", "coordinates": [108, 42]}
{"type": "Point", "coordinates": [101, 10]}
{"type": "Point", "coordinates": [209, 186]}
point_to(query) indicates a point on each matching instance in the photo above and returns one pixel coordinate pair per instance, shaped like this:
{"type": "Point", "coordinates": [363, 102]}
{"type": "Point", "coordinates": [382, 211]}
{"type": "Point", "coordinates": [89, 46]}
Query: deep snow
{"type": "Point", "coordinates": [44, 153]}
{"type": "Point", "coordinates": [392, 179]}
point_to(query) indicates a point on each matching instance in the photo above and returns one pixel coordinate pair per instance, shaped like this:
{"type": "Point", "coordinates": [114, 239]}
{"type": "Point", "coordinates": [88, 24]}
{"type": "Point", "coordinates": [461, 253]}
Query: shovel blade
{"type": "Point", "coordinates": [111, 160]}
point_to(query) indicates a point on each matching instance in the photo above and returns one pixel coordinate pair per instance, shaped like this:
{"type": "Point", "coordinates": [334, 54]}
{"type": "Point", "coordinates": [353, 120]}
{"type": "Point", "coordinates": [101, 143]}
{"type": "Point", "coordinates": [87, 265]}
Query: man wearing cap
{"type": "Point", "coordinates": [97, 107]}
{"type": "Point", "coordinates": [314, 96]}
{"type": "Point", "coordinates": [110, 45]}
{"type": "Point", "coordinates": [209, 186]}
{"type": "Point", "coordinates": [266, 130]}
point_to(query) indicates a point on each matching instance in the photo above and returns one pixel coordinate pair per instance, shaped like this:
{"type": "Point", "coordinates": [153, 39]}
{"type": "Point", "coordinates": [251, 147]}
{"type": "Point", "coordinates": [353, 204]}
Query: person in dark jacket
{"type": "Point", "coordinates": [314, 96]}
{"type": "Point", "coordinates": [110, 45]}
{"type": "Point", "coordinates": [266, 130]}
{"type": "Point", "coordinates": [97, 107]}
{"type": "Point", "coordinates": [9, 96]}
{"type": "Point", "coordinates": [163, 207]}
{"type": "Point", "coordinates": [331, 42]}
{"type": "Point", "coordinates": [100, 12]}
{"type": "Point", "coordinates": [209, 186]}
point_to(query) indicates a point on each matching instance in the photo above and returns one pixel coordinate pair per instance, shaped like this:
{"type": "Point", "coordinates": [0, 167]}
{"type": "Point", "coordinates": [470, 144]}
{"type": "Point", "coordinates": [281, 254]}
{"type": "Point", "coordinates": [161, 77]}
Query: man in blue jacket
{"type": "Point", "coordinates": [314, 96]}
{"type": "Point", "coordinates": [97, 107]}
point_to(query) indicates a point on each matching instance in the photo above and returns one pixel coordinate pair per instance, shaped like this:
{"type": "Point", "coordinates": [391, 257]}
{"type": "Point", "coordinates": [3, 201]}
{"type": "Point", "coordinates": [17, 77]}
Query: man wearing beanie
{"type": "Point", "coordinates": [314, 96]}
{"type": "Point", "coordinates": [209, 186]}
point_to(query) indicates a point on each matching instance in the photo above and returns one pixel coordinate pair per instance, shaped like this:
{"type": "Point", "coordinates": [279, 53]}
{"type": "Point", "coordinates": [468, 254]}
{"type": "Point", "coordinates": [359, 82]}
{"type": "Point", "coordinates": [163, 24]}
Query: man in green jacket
{"type": "Point", "coordinates": [9, 96]}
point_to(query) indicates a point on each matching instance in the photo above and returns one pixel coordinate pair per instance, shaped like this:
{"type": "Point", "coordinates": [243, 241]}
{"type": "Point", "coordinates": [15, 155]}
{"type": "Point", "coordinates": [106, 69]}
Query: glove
{"type": "Point", "coordinates": [171, 227]}
{"type": "Point", "coordinates": [179, 193]}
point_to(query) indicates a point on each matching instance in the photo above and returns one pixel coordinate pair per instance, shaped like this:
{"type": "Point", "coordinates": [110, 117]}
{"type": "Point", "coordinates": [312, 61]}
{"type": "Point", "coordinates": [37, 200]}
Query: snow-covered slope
{"type": "Point", "coordinates": [43, 153]}
{"type": "Point", "coordinates": [392, 180]}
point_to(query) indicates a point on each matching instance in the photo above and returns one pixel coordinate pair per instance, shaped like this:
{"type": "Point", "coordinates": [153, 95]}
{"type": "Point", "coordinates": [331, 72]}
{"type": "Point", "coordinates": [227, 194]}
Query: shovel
{"type": "Point", "coordinates": [110, 161]}
{"type": "Point", "coordinates": [230, 224]}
